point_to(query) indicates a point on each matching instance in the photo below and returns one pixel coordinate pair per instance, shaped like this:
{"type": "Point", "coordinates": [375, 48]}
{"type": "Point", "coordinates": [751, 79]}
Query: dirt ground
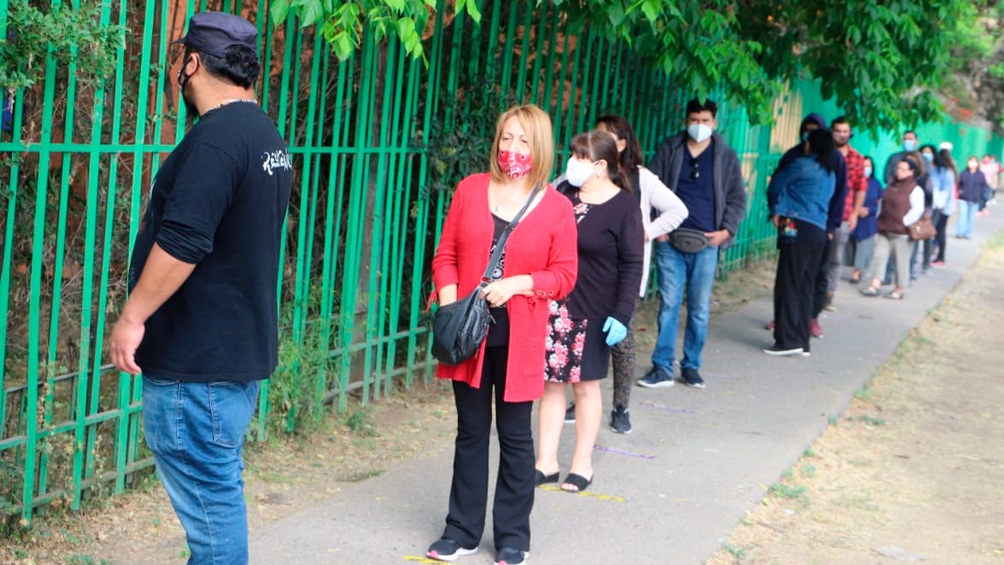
{"type": "Point", "coordinates": [913, 468]}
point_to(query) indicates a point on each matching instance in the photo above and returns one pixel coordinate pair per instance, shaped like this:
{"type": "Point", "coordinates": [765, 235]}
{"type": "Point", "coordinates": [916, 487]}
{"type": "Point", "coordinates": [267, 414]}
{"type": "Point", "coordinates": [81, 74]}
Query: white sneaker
{"type": "Point", "coordinates": [777, 352]}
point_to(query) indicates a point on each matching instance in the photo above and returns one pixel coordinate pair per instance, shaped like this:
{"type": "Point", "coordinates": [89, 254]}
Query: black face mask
{"type": "Point", "coordinates": [183, 79]}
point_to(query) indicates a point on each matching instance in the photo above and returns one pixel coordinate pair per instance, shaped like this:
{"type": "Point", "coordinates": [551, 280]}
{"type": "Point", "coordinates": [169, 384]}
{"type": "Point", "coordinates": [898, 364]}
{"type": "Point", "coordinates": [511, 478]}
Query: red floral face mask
{"type": "Point", "coordinates": [514, 165]}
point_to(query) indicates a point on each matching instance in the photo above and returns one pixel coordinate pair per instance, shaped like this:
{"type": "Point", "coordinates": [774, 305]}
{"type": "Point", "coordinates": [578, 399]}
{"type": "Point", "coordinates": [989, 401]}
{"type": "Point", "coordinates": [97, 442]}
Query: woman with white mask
{"type": "Point", "coordinates": [594, 317]}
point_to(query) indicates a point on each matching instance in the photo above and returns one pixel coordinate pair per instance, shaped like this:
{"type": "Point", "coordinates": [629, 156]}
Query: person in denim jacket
{"type": "Point", "coordinates": [798, 198]}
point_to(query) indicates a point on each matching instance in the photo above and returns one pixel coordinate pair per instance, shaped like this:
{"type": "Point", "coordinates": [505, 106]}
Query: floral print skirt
{"type": "Point", "coordinates": [576, 350]}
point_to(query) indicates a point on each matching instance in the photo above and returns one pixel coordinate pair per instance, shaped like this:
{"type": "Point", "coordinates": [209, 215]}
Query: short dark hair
{"type": "Point", "coordinates": [631, 157]}
{"type": "Point", "coordinates": [239, 65]}
{"type": "Point", "coordinates": [838, 121]}
{"type": "Point", "coordinates": [695, 106]}
{"type": "Point", "coordinates": [910, 131]}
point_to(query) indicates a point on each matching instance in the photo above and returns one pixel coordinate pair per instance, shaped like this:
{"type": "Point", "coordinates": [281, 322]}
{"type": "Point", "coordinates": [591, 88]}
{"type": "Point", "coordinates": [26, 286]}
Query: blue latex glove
{"type": "Point", "coordinates": [615, 331]}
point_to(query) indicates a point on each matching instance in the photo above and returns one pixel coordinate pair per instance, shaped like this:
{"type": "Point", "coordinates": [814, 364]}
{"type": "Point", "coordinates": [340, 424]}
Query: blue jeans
{"type": "Point", "coordinates": [696, 271]}
{"type": "Point", "coordinates": [196, 432]}
{"type": "Point", "coordinates": [967, 213]}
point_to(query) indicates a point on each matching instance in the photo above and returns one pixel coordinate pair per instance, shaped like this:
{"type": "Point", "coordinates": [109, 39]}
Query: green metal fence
{"type": "Point", "coordinates": [368, 137]}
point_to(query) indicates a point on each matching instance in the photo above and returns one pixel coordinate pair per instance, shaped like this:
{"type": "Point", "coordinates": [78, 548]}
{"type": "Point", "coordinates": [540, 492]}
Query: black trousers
{"type": "Point", "coordinates": [796, 283]}
{"type": "Point", "coordinates": [514, 489]}
{"type": "Point", "coordinates": [822, 275]}
{"type": "Point", "coordinates": [940, 223]}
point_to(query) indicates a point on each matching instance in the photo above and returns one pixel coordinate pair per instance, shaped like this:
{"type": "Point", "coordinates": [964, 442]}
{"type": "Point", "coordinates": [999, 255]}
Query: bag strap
{"type": "Point", "coordinates": [500, 245]}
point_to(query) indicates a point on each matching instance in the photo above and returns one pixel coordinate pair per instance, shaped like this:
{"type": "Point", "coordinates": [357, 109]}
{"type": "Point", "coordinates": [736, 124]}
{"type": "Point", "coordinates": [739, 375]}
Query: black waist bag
{"type": "Point", "coordinates": [688, 240]}
{"type": "Point", "coordinates": [459, 327]}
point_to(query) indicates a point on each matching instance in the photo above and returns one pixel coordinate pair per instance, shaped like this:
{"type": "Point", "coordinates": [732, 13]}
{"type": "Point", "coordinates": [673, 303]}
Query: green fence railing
{"type": "Point", "coordinates": [369, 137]}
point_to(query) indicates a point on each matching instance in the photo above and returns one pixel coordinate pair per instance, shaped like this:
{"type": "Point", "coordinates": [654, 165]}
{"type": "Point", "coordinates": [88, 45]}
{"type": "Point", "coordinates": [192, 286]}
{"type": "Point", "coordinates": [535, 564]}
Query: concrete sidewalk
{"type": "Point", "coordinates": [673, 490]}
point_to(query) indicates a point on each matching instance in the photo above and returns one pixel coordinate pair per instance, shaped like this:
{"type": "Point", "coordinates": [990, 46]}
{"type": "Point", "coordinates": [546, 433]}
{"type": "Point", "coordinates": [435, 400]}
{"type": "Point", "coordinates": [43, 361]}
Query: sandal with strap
{"type": "Point", "coordinates": [894, 295]}
{"type": "Point", "coordinates": [576, 480]}
{"type": "Point", "coordinates": [539, 478]}
{"type": "Point", "coordinates": [870, 291]}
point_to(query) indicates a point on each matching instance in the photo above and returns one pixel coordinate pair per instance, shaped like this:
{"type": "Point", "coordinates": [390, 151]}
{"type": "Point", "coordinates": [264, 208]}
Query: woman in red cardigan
{"type": "Point", "coordinates": [540, 263]}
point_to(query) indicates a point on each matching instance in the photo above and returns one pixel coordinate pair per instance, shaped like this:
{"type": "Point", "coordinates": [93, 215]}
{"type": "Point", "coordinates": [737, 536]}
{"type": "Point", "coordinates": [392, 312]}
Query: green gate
{"type": "Point", "coordinates": [377, 142]}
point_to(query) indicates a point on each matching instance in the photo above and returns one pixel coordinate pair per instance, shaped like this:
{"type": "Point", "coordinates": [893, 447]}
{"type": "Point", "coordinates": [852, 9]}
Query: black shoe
{"type": "Point", "coordinates": [692, 377]}
{"type": "Point", "coordinates": [511, 556]}
{"type": "Point", "coordinates": [447, 549]}
{"type": "Point", "coordinates": [656, 377]}
{"type": "Point", "coordinates": [570, 414]}
{"type": "Point", "coordinates": [620, 420]}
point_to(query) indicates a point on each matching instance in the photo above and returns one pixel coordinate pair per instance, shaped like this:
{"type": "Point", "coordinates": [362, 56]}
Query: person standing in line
{"type": "Point", "coordinates": [799, 197]}
{"type": "Point", "coordinates": [942, 184]}
{"type": "Point", "coordinates": [700, 167]}
{"type": "Point", "coordinates": [857, 188]}
{"type": "Point", "coordinates": [944, 202]}
{"type": "Point", "coordinates": [835, 212]}
{"type": "Point", "coordinates": [972, 185]}
{"type": "Point", "coordinates": [201, 319]}
{"type": "Point", "coordinates": [910, 144]}
{"type": "Point", "coordinates": [863, 236]}
{"type": "Point", "coordinates": [539, 264]}
{"type": "Point", "coordinates": [991, 169]}
{"type": "Point", "coordinates": [595, 316]}
{"type": "Point", "coordinates": [661, 212]}
{"type": "Point", "coordinates": [902, 205]}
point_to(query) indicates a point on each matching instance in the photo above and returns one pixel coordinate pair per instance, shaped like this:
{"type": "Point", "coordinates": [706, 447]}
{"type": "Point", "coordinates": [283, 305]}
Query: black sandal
{"type": "Point", "coordinates": [870, 291]}
{"type": "Point", "coordinates": [576, 480]}
{"type": "Point", "coordinates": [539, 478]}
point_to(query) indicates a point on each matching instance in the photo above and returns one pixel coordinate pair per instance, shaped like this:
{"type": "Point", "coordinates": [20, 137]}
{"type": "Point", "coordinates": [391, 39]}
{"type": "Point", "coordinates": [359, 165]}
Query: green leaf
{"type": "Point", "coordinates": [278, 11]}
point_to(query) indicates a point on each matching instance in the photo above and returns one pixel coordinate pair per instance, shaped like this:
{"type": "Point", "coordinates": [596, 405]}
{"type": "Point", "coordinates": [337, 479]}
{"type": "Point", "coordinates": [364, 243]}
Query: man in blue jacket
{"type": "Point", "coordinates": [700, 167]}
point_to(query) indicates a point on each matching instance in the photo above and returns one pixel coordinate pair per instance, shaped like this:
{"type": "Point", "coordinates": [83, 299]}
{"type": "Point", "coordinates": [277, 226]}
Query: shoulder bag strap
{"type": "Point", "coordinates": [500, 245]}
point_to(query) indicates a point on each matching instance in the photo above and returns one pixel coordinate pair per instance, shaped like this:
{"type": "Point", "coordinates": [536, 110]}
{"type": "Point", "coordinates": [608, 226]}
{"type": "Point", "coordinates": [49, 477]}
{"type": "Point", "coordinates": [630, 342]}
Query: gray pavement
{"type": "Point", "coordinates": [671, 491]}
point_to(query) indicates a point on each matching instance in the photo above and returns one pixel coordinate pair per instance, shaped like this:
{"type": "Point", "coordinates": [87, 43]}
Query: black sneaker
{"type": "Point", "coordinates": [511, 556]}
{"type": "Point", "coordinates": [691, 377]}
{"type": "Point", "coordinates": [656, 377]}
{"type": "Point", "coordinates": [447, 549]}
{"type": "Point", "coordinates": [570, 414]}
{"type": "Point", "coordinates": [620, 420]}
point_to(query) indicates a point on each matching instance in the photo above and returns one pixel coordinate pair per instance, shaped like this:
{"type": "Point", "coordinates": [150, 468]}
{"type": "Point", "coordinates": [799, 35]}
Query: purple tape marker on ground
{"type": "Point", "coordinates": [622, 452]}
{"type": "Point", "coordinates": [648, 404]}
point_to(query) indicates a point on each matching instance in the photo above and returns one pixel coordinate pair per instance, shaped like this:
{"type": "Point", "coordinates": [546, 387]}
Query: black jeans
{"type": "Point", "coordinates": [822, 273]}
{"type": "Point", "coordinates": [940, 223]}
{"type": "Point", "coordinates": [514, 489]}
{"type": "Point", "coordinates": [794, 286]}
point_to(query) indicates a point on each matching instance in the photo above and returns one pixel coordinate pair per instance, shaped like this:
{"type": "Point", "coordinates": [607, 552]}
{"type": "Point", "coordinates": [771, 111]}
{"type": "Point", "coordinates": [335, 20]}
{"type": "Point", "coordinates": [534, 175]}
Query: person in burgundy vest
{"type": "Point", "coordinates": [902, 205]}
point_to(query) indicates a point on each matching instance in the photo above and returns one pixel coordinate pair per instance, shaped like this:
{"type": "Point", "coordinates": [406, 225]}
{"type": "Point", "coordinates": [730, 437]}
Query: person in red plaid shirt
{"type": "Point", "coordinates": [857, 187]}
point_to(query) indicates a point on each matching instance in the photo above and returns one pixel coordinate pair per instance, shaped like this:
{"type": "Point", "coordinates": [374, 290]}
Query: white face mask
{"type": "Point", "coordinates": [868, 172]}
{"type": "Point", "coordinates": [578, 172]}
{"type": "Point", "coordinates": [699, 132]}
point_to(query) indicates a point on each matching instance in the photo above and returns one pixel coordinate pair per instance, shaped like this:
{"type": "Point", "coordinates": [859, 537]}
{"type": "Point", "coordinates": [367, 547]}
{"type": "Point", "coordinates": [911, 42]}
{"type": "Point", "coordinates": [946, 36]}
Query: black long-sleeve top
{"type": "Point", "coordinates": [611, 243]}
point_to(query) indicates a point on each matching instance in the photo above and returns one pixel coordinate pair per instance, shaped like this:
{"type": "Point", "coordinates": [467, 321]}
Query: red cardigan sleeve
{"type": "Point", "coordinates": [444, 263]}
{"type": "Point", "coordinates": [558, 279]}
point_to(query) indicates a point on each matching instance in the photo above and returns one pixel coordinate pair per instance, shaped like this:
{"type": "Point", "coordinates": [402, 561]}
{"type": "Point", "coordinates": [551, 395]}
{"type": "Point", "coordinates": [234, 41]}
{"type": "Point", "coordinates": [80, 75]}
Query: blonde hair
{"type": "Point", "coordinates": [539, 135]}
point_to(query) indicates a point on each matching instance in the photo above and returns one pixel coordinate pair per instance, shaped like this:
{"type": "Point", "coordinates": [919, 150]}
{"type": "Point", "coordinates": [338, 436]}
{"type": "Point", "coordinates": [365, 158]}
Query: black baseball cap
{"type": "Point", "coordinates": [213, 32]}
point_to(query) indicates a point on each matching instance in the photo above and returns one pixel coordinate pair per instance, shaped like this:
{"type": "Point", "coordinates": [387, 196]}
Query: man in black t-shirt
{"type": "Point", "coordinates": [201, 319]}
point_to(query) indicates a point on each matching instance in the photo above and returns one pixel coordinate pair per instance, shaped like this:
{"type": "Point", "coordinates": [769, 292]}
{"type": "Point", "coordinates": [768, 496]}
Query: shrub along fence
{"type": "Point", "coordinates": [378, 142]}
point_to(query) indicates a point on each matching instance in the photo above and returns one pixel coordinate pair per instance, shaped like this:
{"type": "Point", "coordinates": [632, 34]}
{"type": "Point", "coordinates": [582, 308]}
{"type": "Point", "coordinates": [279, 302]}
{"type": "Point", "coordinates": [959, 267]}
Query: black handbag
{"type": "Point", "coordinates": [459, 327]}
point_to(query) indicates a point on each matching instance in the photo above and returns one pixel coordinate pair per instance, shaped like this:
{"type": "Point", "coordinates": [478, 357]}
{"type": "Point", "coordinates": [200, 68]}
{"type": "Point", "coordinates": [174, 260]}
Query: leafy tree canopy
{"type": "Point", "coordinates": [883, 60]}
